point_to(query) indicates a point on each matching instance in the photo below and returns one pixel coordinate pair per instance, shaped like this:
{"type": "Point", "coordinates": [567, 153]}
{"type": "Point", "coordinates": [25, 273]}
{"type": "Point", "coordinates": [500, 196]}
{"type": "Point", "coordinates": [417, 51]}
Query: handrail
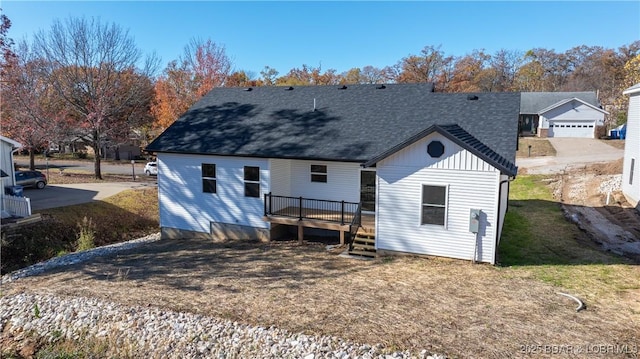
{"type": "Point", "coordinates": [310, 208]}
{"type": "Point", "coordinates": [356, 223]}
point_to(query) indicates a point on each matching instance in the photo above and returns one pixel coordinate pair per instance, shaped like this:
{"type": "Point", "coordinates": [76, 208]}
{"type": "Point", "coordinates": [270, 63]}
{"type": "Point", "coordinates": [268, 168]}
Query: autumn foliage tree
{"type": "Point", "coordinates": [31, 110]}
{"type": "Point", "coordinates": [203, 66]}
{"type": "Point", "coordinates": [93, 67]}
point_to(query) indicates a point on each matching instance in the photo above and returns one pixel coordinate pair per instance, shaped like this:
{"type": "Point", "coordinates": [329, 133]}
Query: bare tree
{"type": "Point", "coordinates": [94, 68]}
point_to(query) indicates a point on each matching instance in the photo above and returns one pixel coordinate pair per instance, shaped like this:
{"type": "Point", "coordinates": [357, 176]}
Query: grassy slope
{"type": "Point", "coordinates": [125, 216]}
{"type": "Point", "coordinates": [539, 242]}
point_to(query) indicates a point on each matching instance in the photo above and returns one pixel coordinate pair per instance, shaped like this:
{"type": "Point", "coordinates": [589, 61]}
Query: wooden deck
{"type": "Point", "coordinates": [316, 218]}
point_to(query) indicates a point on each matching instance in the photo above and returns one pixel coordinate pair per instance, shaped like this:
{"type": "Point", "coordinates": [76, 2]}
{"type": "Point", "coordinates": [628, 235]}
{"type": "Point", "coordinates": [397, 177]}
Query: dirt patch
{"type": "Point", "coordinates": [444, 306]}
{"type": "Point", "coordinates": [591, 197]}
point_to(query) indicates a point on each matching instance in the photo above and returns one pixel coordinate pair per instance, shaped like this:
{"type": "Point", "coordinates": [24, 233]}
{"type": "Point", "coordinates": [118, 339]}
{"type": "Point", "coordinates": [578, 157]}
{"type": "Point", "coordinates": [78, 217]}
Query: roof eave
{"type": "Point", "coordinates": [631, 90]}
{"type": "Point", "coordinates": [511, 170]}
{"type": "Point", "coordinates": [560, 103]}
{"type": "Point", "coordinates": [301, 158]}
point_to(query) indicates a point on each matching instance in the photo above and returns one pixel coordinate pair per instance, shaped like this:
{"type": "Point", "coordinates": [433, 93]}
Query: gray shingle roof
{"type": "Point", "coordinates": [534, 102]}
{"type": "Point", "coordinates": [355, 124]}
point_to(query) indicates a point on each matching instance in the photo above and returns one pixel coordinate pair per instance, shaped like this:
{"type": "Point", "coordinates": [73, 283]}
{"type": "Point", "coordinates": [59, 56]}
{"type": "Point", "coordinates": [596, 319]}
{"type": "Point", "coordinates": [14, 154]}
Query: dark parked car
{"type": "Point", "coordinates": [35, 179]}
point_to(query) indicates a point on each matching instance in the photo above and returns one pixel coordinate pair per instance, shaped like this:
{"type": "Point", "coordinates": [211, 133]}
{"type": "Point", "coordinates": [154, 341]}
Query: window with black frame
{"type": "Point", "coordinates": [209, 184]}
{"type": "Point", "coordinates": [252, 181]}
{"type": "Point", "coordinates": [434, 205]}
{"type": "Point", "coordinates": [319, 173]}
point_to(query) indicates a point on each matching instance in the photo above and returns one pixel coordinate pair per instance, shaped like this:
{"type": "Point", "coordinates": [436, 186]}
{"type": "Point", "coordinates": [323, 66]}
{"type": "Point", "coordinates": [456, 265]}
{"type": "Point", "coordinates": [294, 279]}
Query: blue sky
{"type": "Point", "coordinates": [343, 35]}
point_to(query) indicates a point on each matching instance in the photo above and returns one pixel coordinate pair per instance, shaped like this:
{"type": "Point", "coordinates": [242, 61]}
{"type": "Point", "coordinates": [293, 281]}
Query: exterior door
{"type": "Point", "coordinates": [368, 190]}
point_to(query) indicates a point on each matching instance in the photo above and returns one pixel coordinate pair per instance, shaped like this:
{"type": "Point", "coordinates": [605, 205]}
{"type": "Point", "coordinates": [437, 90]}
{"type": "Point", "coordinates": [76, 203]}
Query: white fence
{"type": "Point", "coordinates": [17, 206]}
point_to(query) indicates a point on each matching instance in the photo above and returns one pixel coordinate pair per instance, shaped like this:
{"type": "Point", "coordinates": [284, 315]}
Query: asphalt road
{"type": "Point", "coordinates": [61, 195]}
{"type": "Point", "coordinates": [83, 165]}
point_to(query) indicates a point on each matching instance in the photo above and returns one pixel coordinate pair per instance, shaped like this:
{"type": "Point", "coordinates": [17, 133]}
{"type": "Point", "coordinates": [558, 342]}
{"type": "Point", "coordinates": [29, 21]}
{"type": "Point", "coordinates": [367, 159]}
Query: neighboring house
{"type": "Point", "coordinates": [561, 114]}
{"type": "Point", "coordinates": [10, 205]}
{"type": "Point", "coordinates": [407, 169]}
{"type": "Point", "coordinates": [631, 167]}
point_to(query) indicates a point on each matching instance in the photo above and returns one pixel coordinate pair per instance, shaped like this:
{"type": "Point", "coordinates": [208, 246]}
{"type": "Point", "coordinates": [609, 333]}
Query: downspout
{"type": "Point", "coordinates": [495, 252]}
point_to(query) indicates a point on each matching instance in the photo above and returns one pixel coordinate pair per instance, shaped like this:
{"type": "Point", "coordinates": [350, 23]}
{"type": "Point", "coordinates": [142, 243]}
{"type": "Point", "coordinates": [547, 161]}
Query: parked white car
{"type": "Point", "coordinates": [151, 169]}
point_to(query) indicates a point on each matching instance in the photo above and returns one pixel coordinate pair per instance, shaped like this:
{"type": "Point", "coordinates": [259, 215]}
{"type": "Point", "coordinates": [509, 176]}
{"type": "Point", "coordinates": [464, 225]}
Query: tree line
{"type": "Point", "coordinates": [88, 80]}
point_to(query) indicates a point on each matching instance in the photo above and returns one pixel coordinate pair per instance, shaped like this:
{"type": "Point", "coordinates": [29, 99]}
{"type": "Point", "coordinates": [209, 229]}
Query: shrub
{"type": "Point", "coordinates": [87, 235]}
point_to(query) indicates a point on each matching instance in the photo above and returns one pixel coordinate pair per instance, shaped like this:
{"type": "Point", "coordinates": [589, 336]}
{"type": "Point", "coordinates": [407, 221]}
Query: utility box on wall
{"type": "Point", "coordinates": [474, 220]}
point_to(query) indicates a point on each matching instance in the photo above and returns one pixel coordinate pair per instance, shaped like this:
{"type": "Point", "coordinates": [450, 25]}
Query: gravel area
{"type": "Point", "coordinates": [77, 257]}
{"type": "Point", "coordinates": [152, 332]}
{"type": "Point", "coordinates": [156, 333]}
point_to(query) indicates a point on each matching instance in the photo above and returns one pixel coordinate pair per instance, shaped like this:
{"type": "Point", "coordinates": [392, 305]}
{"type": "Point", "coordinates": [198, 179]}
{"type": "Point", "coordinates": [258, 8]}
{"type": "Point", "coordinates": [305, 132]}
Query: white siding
{"type": "Point", "coordinates": [504, 203]}
{"type": "Point", "coordinates": [280, 176]}
{"type": "Point", "coordinates": [343, 181]}
{"type": "Point", "coordinates": [632, 151]}
{"type": "Point", "coordinates": [183, 205]}
{"type": "Point", "coordinates": [572, 113]}
{"type": "Point", "coordinates": [6, 164]}
{"type": "Point", "coordinates": [472, 183]}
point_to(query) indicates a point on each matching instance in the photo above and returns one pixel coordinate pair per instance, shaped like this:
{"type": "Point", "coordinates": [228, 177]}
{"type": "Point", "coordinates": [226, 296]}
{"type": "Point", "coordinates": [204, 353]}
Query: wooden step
{"type": "Point", "coordinates": [367, 240]}
{"type": "Point", "coordinates": [363, 253]}
{"type": "Point", "coordinates": [364, 245]}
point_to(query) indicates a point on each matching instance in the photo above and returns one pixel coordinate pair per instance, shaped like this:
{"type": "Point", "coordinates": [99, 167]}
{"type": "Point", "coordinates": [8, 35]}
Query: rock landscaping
{"type": "Point", "coordinates": [152, 332]}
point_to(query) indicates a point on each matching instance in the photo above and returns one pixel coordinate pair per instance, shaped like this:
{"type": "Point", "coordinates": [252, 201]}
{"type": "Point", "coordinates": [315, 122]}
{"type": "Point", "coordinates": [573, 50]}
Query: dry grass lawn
{"type": "Point", "coordinates": [539, 147]}
{"type": "Point", "coordinates": [444, 306]}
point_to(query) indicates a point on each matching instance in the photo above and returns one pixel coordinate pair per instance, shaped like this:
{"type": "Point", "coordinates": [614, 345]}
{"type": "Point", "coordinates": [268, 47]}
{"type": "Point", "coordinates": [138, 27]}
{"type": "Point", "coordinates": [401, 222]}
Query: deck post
{"type": "Point", "coordinates": [300, 209]}
{"type": "Point", "coordinates": [270, 203]}
{"type": "Point", "coordinates": [342, 213]}
{"type": "Point", "coordinates": [265, 203]}
{"type": "Point", "coordinates": [300, 233]}
{"type": "Point", "coordinates": [341, 237]}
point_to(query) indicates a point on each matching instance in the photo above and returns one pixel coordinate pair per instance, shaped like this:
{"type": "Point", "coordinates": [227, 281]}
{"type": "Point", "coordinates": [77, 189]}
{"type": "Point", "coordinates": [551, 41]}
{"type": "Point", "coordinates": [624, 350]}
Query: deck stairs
{"type": "Point", "coordinates": [364, 243]}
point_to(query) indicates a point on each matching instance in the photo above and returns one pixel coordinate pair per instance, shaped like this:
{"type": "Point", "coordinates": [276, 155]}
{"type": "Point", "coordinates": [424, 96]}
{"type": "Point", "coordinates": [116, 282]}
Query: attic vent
{"type": "Point", "coordinates": [290, 88]}
{"type": "Point", "coordinates": [472, 97]}
{"type": "Point", "coordinates": [381, 87]}
{"type": "Point", "coordinates": [248, 89]}
{"type": "Point", "coordinates": [342, 88]}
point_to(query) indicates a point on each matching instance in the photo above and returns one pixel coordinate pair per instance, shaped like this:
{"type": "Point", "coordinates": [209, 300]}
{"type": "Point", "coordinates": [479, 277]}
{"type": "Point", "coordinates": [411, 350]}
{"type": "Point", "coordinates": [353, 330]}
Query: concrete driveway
{"type": "Point", "coordinates": [61, 195]}
{"type": "Point", "coordinates": [571, 152]}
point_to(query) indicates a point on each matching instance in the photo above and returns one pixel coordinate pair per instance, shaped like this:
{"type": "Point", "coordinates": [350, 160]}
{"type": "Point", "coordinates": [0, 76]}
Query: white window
{"type": "Point", "coordinates": [319, 173]}
{"type": "Point", "coordinates": [434, 205]}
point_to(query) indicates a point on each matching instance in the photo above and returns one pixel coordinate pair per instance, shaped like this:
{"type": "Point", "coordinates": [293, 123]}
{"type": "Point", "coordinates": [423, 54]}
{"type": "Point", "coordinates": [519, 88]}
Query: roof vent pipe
{"type": "Point", "coordinates": [314, 104]}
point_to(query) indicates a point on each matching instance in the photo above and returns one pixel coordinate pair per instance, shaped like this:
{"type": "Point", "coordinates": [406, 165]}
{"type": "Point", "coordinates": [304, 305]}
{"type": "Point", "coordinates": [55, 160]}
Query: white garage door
{"type": "Point", "coordinates": [571, 128]}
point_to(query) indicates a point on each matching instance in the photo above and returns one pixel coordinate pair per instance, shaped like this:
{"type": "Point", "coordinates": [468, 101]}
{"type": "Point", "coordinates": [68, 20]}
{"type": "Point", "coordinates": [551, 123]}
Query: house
{"type": "Point", "coordinates": [10, 205]}
{"type": "Point", "coordinates": [396, 166]}
{"type": "Point", "coordinates": [561, 114]}
{"type": "Point", "coordinates": [631, 167]}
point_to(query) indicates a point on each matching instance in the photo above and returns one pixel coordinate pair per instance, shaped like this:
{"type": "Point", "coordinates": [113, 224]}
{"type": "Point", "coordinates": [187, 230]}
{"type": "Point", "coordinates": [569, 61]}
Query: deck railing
{"type": "Point", "coordinates": [17, 206]}
{"type": "Point", "coordinates": [355, 224]}
{"type": "Point", "coordinates": [342, 212]}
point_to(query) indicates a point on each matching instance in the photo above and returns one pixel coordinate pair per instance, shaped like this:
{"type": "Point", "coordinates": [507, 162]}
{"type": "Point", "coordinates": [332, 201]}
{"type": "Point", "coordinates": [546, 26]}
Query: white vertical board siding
{"type": "Point", "coordinates": [343, 181]}
{"type": "Point", "coordinates": [471, 182]}
{"type": "Point", "coordinates": [632, 151]}
{"type": "Point", "coordinates": [183, 205]}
